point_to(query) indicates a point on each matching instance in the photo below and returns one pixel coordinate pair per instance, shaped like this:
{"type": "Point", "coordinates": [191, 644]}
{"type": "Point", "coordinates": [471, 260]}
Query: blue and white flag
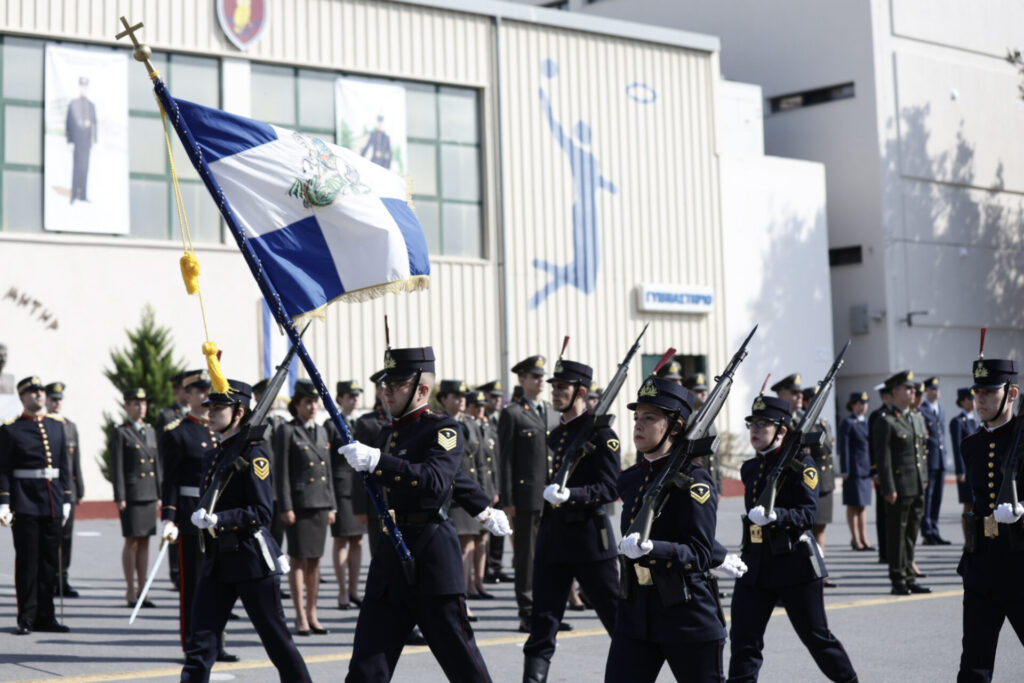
{"type": "Point", "coordinates": [325, 223]}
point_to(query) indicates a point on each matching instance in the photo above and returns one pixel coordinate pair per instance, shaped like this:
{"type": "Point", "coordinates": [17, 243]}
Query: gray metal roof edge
{"type": "Point", "coordinates": [588, 23]}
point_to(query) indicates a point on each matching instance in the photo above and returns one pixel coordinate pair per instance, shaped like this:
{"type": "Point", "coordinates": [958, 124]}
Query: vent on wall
{"type": "Point", "coordinates": [809, 98]}
{"type": "Point", "coordinates": [844, 256]}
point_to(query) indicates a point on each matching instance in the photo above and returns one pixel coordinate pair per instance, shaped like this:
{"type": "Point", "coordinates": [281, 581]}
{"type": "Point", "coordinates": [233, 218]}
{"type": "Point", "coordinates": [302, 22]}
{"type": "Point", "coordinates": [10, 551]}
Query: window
{"type": "Point", "coordinates": [844, 256]}
{"type": "Point", "coordinates": [809, 98]}
{"type": "Point", "coordinates": [21, 119]}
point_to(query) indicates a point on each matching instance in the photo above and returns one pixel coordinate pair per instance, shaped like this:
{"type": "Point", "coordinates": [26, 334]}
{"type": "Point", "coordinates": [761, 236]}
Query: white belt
{"type": "Point", "coordinates": [189, 491]}
{"type": "Point", "coordinates": [45, 473]}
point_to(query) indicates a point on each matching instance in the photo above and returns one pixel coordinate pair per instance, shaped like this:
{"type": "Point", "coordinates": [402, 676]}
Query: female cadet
{"type": "Point", "coordinates": [347, 531]}
{"type": "Point", "coordinates": [783, 560]}
{"type": "Point", "coordinates": [305, 496]}
{"type": "Point", "coordinates": [135, 467]}
{"type": "Point", "coordinates": [242, 560]}
{"type": "Point", "coordinates": [669, 608]}
{"type": "Point", "coordinates": [855, 464]}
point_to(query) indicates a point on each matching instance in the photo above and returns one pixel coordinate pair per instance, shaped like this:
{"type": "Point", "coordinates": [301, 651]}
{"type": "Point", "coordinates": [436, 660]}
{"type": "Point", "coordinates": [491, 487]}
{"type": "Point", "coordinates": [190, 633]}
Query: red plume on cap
{"type": "Point", "coordinates": [765, 383]}
{"type": "Point", "coordinates": [565, 343]}
{"type": "Point", "coordinates": [664, 359]}
{"type": "Point", "coordinates": [981, 347]}
{"type": "Point", "coordinates": [387, 333]}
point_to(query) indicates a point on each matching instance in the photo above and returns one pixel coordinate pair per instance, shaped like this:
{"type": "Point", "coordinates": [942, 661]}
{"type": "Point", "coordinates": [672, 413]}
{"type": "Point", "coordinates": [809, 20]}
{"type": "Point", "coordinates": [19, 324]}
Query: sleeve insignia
{"type": "Point", "coordinates": [700, 493]}
{"type": "Point", "coordinates": [447, 438]}
{"type": "Point", "coordinates": [261, 468]}
{"type": "Point", "coordinates": [613, 445]}
{"type": "Point", "coordinates": [172, 425]}
{"type": "Point", "coordinates": [811, 477]}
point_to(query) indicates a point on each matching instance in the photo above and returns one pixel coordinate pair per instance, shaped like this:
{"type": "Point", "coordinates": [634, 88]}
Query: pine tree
{"type": "Point", "coordinates": [145, 362]}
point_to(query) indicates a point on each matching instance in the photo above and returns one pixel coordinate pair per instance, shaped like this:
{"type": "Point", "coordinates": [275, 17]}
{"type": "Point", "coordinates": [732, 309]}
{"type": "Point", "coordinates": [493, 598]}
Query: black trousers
{"type": "Point", "coordinates": [880, 511]}
{"type": "Point", "coordinates": [805, 606]}
{"type": "Point", "coordinates": [67, 534]}
{"type": "Point", "coordinates": [495, 551]}
{"type": "Point", "coordinates": [599, 580]}
{"type": "Point", "coordinates": [983, 619]}
{"type": "Point", "coordinates": [35, 567]}
{"type": "Point", "coordinates": [262, 601]}
{"type": "Point", "coordinates": [640, 661]}
{"type": "Point", "coordinates": [524, 540]}
{"type": "Point", "coordinates": [903, 521]}
{"type": "Point", "coordinates": [384, 626]}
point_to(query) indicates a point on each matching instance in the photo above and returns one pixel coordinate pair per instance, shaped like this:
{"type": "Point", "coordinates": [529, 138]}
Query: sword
{"type": "Point", "coordinates": [164, 545]}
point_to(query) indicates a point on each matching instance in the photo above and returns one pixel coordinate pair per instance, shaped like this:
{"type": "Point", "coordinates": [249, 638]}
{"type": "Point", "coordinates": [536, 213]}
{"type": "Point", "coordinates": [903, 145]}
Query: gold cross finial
{"type": "Point", "coordinates": [142, 52]}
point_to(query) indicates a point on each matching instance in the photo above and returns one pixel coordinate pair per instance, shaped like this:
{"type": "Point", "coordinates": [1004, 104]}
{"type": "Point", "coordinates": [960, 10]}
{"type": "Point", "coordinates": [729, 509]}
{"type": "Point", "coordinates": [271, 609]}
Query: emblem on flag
{"type": "Point", "coordinates": [242, 21]}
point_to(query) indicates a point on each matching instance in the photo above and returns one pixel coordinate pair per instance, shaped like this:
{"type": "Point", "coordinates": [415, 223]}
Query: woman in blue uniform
{"type": "Point", "coordinates": [855, 466]}
{"type": "Point", "coordinates": [242, 560]}
{"type": "Point", "coordinates": [669, 608]}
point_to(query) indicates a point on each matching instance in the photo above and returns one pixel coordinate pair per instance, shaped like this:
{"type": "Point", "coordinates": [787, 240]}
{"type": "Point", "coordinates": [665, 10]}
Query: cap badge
{"type": "Point", "coordinates": [759, 404]}
{"type": "Point", "coordinates": [796, 380]}
{"type": "Point", "coordinates": [910, 374]}
{"type": "Point", "coordinates": [980, 372]}
{"type": "Point", "coordinates": [389, 362]}
{"type": "Point", "coordinates": [558, 367]}
{"type": "Point", "coordinates": [539, 363]}
{"type": "Point", "coordinates": [648, 389]}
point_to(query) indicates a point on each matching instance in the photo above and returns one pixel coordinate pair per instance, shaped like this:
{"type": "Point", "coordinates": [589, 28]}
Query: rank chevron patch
{"type": "Point", "coordinates": [447, 438]}
{"type": "Point", "coordinates": [811, 477]}
{"type": "Point", "coordinates": [261, 468]}
{"type": "Point", "coordinates": [700, 493]}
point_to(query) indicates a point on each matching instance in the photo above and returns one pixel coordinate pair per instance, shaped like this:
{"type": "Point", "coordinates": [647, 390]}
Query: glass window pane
{"type": "Point", "coordinates": [149, 203]}
{"type": "Point", "coordinates": [147, 151]}
{"type": "Point", "coordinates": [423, 168]}
{"type": "Point", "coordinates": [273, 94]}
{"type": "Point", "coordinates": [316, 99]}
{"type": "Point", "coordinates": [428, 213]}
{"type": "Point", "coordinates": [23, 135]}
{"type": "Point", "coordinates": [421, 111]}
{"type": "Point", "coordinates": [23, 69]}
{"type": "Point", "coordinates": [23, 201]}
{"type": "Point", "coordinates": [462, 230]}
{"type": "Point", "coordinates": [203, 217]}
{"type": "Point", "coordinates": [196, 79]}
{"type": "Point", "coordinates": [458, 115]}
{"type": "Point", "coordinates": [460, 172]}
{"type": "Point", "coordinates": [140, 90]}
{"type": "Point", "coordinates": [182, 164]}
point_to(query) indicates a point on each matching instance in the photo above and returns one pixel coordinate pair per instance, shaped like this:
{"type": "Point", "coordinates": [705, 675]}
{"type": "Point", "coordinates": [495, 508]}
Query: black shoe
{"type": "Point", "coordinates": [915, 588]}
{"type": "Point", "coordinates": [303, 633]}
{"type": "Point", "coordinates": [415, 637]}
{"type": "Point", "coordinates": [900, 589]}
{"type": "Point", "coordinates": [52, 627]}
{"type": "Point", "coordinates": [472, 617]}
{"type": "Point", "coordinates": [535, 670]}
{"type": "Point", "coordinates": [22, 631]}
{"type": "Point", "coordinates": [223, 656]}
{"type": "Point", "coordinates": [355, 601]}
{"type": "Point", "coordinates": [233, 617]}
{"type": "Point", "coordinates": [524, 624]}
{"type": "Point", "coordinates": [565, 626]}
{"type": "Point", "coordinates": [480, 595]}
{"type": "Point", "coordinates": [576, 608]}
{"type": "Point", "coordinates": [491, 578]}
{"type": "Point", "coordinates": [941, 541]}
{"type": "Point", "coordinates": [147, 604]}
{"type": "Point", "coordinates": [830, 584]}
{"type": "Point", "coordinates": [69, 592]}
{"type": "Point", "coordinates": [920, 575]}
{"type": "Point", "coordinates": [344, 605]}
{"type": "Point", "coordinates": [285, 595]}
{"type": "Point", "coordinates": [928, 540]}
{"type": "Point", "coordinates": [319, 630]}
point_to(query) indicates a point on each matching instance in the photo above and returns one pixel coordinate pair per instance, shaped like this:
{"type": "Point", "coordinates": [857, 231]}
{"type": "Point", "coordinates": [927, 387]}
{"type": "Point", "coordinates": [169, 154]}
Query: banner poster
{"type": "Point", "coordinates": [371, 121]}
{"type": "Point", "coordinates": [85, 146]}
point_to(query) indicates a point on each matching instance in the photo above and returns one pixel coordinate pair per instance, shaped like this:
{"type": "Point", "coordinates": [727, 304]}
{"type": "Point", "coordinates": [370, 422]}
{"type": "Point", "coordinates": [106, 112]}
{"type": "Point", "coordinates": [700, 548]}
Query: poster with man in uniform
{"type": "Point", "coordinates": [371, 121]}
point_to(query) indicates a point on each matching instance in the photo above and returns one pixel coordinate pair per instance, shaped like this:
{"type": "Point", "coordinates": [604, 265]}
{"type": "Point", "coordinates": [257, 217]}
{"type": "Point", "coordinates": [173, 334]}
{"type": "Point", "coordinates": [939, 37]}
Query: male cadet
{"type": "Point", "coordinates": [993, 556]}
{"type": "Point", "coordinates": [885, 395]}
{"type": "Point", "coordinates": [960, 427]}
{"type": "Point", "coordinates": [824, 461]}
{"type": "Point", "coordinates": [790, 390]}
{"type": "Point", "coordinates": [80, 128]}
{"type": "Point", "coordinates": [934, 419]}
{"type": "Point", "coordinates": [54, 404]}
{"type": "Point", "coordinates": [898, 444]}
{"type": "Point", "coordinates": [417, 467]}
{"type": "Point", "coordinates": [575, 539]}
{"type": "Point", "coordinates": [35, 493]}
{"type": "Point", "coordinates": [494, 393]}
{"type": "Point", "coordinates": [525, 467]}
{"type": "Point", "coordinates": [698, 386]}
{"type": "Point", "coordinates": [182, 447]}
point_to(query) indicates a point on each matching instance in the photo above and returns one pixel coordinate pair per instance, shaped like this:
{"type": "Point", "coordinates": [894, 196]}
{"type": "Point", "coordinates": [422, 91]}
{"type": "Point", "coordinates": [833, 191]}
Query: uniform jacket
{"type": "Point", "coordinates": [346, 480]}
{"type": "Point", "coordinates": [960, 427]}
{"type": "Point", "coordinates": [366, 429]}
{"type": "Point", "coordinates": [898, 443]}
{"type": "Point", "coordinates": [168, 415]}
{"type": "Point", "coordinates": [580, 530]}
{"type": "Point", "coordinates": [74, 458]}
{"type": "Point", "coordinates": [935, 445]}
{"type": "Point", "coordinates": [684, 549]}
{"type": "Point", "coordinates": [80, 123]}
{"type": "Point", "coordinates": [873, 419]}
{"type": "Point", "coordinates": [182, 446]}
{"type": "Point", "coordinates": [303, 476]}
{"type": "Point", "coordinates": [487, 457]}
{"type": "Point", "coordinates": [525, 457]}
{"type": "Point", "coordinates": [34, 443]}
{"type": "Point", "coordinates": [134, 463]}
{"type": "Point", "coordinates": [853, 446]}
{"type": "Point", "coordinates": [796, 504]}
{"type": "Point", "coordinates": [823, 459]}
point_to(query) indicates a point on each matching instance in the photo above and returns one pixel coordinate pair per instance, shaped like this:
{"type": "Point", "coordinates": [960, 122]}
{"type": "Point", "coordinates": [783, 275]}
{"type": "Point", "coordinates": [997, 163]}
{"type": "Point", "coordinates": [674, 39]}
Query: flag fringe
{"type": "Point", "coordinates": [409, 284]}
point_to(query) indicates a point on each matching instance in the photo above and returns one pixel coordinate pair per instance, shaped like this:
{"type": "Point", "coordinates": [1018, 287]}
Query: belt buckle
{"type": "Point", "coordinates": [991, 527]}
{"type": "Point", "coordinates": [756, 534]}
{"type": "Point", "coordinates": [643, 575]}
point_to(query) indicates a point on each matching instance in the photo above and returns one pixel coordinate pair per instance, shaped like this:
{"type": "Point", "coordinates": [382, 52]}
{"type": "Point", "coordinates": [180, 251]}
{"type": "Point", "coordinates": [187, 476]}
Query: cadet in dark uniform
{"type": "Point", "coordinates": [855, 466]}
{"type": "Point", "coordinates": [575, 539]}
{"type": "Point", "coordinates": [135, 468]}
{"type": "Point", "coordinates": [379, 145]}
{"type": "Point", "coordinates": [783, 560]}
{"type": "Point", "coordinates": [994, 552]}
{"type": "Point", "coordinates": [35, 494]}
{"type": "Point", "coordinates": [305, 494]}
{"type": "Point", "coordinates": [960, 427]}
{"type": "Point", "coordinates": [421, 453]}
{"type": "Point", "coordinates": [173, 413]}
{"type": "Point", "coordinates": [898, 443]}
{"type": "Point", "coordinates": [80, 129]}
{"type": "Point", "coordinates": [525, 468]}
{"type": "Point", "coordinates": [182, 447]}
{"type": "Point", "coordinates": [698, 387]}
{"type": "Point", "coordinates": [934, 419]}
{"type": "Point", "coordinates": [825, 462]}
{"type": "Point", "coordinates": [487, 478]}
{"type": "Point", "coordinates": [54, 406]}
{"type": "Point", "coordinates": [885, 396]}
{"type": "Point", "coordinates": [669, 610]}
{"type": "Point", "coordinates": [347, 531]}
{"type": "Point", "coordinates": [273, 422]}
{"type": "Point", "coordinates": [496, 545]}
{"type": "Point", "coordinates": [241, 560]}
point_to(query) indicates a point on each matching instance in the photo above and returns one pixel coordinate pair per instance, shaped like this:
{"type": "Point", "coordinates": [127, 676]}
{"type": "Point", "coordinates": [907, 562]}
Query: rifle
{"type": "Point", "coordinates": [695, 442]}
{"type": "Point", "coordinates": [581, 446]}
{"type": "Point", "coordinates": [802, 436]}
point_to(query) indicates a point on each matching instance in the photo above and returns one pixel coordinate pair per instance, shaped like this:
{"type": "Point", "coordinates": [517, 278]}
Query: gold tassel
{"type": "Point", "coordinates": [190, 271]}
{"type": "Point", "coordinates": [220, 384]}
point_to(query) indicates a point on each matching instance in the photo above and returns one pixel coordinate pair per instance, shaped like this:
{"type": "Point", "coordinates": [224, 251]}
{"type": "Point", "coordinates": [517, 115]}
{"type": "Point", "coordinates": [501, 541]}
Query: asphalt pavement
{"type": "Point", "coordinates": [889, 638]}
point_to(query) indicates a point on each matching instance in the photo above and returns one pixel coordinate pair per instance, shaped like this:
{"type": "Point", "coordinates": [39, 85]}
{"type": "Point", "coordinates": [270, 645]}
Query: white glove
{"type": "Point", "coordinates": [631, 547]}
{"type": "Point", "coordinates": [5, 515]}
{"type": "Point", "coordinates": [1007, 514]}
{"type": "Point", "coordinates": [66, 512]}
{"type": "Point", "coordinates": [732, 567]}
{"type": "Point", "coordinates": [495, 521]}
{"type": "Point", "coordinates": [170, 532]}
{"type": "Point", "coordinates": [555, 495]}
{"type": "Point", "coordinates": [361, 457]}
{"type": "Point", "coordinates": [757, 516]}
{"type": "Point", "coordinates": [283, 563]}
{"type": "Point", "coordinates": [203, 520]}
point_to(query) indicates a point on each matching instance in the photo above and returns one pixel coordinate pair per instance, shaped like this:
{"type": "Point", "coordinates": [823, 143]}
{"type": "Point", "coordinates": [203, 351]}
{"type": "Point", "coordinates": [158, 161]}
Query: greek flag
{"type": "Point", "coordinates": [324, 223]}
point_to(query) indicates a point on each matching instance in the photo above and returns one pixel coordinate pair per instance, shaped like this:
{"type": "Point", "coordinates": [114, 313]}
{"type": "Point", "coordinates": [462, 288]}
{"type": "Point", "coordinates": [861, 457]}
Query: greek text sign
{"type": "Point", "coordinates": [674, 298]}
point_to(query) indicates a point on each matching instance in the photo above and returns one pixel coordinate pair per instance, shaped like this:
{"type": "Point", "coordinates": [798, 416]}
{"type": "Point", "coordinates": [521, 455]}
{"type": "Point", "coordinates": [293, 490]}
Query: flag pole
{"type": "Point", "coordinates": [270, 294]}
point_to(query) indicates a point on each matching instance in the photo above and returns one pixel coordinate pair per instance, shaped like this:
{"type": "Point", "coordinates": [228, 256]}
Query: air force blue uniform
{"type": "Point", "coordinates": [960, 427]}
{"type": "Point", "coordinates": [855, 460]}
{"type": "Point", "coordinates": [935, 449]}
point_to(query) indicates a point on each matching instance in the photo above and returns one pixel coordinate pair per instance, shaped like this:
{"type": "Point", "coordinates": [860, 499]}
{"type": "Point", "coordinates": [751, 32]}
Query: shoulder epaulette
{"type": "Point", "coordinates": [55, 416]}
{"type": "Point", "coordinates": [172, 425]}
{"type": "Point", "coordinates": [434, 415]}
{"type": "Point", "coordinates": [11, 420]}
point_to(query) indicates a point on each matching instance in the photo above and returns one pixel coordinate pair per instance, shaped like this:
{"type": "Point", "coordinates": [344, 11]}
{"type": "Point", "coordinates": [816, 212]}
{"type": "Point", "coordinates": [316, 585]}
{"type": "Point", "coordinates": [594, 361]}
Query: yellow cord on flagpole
{"type": "Point", "coordinates": [189, 264]}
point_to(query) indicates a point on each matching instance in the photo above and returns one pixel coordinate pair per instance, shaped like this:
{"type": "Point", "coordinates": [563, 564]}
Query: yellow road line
{"type": "Point", "coordinates": [419, 649]}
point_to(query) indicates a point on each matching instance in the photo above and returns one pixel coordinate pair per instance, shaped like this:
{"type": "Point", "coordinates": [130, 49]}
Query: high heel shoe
{"type": "Point", "coordinates": [354, 600]}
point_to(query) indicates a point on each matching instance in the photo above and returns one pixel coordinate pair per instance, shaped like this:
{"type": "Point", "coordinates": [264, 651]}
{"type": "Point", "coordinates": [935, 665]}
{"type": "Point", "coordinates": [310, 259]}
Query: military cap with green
{"type": "Point", "coordinates": [305, 387]}
{"type": "Point", "coordinates": [530, 365]}
{"type": "Point", "coordinates": [903, 377]}
{"type": "Point", "coordinates": [136, 394]}
{"type": "Point", "coordinates": [451, 386]}
{"type": "Point", "coordinates": [696, 382]}
{"type": "Point", "coordinates": [493, 388]}
{"type": "Point", "coordinates": [55, 390]}
{"type": "Point", "coordinates": [671, 370]}
{"type": "Point", "coordinates": [792, 382]}
{"type": "Point", "coordinates": [350, 386]}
